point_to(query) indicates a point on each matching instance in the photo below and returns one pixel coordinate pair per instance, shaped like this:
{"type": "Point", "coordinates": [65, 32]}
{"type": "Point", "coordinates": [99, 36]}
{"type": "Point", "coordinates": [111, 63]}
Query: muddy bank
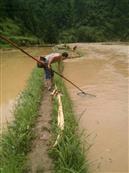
{"type": "Point", "coordinates": [103, 71]}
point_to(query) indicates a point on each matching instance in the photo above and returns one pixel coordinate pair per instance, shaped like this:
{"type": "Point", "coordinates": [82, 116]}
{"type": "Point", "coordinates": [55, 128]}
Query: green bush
{"type": "Point", "coordinates": [89, 34]}
{"type": "Point", "coordinates": [14, 32]}
{"type": "Point", "coordinates": [9, 27]}
{"type": "Point", "coordinates": [68, 36]}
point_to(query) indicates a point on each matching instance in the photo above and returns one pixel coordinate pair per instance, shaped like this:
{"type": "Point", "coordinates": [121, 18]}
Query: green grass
{"type": "Point", "coordinates": [16, 142]}
{"type": "Point", "coordinates": [69, 153]}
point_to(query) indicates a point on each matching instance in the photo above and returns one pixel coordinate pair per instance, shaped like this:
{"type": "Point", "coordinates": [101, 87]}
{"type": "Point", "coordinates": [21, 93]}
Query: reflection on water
{"type": "Point", "coordinates": [105, 117]}
{"type": "Point", "coordinates": [15, 70]}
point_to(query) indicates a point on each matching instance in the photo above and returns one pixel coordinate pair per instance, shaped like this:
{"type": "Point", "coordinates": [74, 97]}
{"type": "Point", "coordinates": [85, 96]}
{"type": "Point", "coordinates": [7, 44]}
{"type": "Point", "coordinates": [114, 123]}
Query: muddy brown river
{"type": "Point", "coordinates": [102, 71]}
{"type": "Point", "coordinates": [15, 69]}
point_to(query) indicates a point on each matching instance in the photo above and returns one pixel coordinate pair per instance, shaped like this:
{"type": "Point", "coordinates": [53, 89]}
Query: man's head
{"type": "Point", "coordinates": [64, 55]}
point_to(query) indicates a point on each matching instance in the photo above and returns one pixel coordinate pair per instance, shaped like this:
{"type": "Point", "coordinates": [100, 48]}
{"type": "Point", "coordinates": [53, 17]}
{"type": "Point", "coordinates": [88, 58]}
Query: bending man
{"type": "Point", "coordinates": [48, 60]}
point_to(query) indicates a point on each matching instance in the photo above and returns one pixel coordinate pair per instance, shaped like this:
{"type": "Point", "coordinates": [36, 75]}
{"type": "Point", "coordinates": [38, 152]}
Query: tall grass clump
{"type": "Point", "coordinates": [16, 141]}
{"type": "Point", "coordinates": [69, 153]}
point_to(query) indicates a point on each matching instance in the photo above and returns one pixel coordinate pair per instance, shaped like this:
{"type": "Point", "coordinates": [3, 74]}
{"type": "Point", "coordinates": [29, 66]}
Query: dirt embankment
{"type": "Point", "coordinates": [38, 158]}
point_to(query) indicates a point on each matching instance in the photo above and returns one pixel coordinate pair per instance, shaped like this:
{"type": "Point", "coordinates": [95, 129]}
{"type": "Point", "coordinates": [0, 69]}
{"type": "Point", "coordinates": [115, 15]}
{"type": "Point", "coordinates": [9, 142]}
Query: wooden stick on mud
{"type": "Point", "coordinates": [60, 118]}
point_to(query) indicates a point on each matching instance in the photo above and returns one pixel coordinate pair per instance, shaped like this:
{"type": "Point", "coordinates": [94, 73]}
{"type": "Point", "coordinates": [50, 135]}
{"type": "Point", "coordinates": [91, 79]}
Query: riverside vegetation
{"type": "Point", "coordinates": [32, 21]}
{"type": "Point", "coordinates": [15, 143]}
{"type": "Point", "coordinates": [68, 155]}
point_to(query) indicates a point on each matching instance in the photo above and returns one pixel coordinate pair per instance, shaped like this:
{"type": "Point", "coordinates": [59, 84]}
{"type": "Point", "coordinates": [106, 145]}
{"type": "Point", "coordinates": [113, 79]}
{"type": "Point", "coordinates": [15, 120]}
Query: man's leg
{"type": "Point", "coordinates": [48, 77]}
{"type": "Point", "coordinates": [49, 82]}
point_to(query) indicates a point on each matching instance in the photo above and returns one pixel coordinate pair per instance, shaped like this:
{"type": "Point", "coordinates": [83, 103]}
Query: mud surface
{"type": "Point", "coordinates": [103, 71]}
{"type": "Point", "coordinates": [39, 159]}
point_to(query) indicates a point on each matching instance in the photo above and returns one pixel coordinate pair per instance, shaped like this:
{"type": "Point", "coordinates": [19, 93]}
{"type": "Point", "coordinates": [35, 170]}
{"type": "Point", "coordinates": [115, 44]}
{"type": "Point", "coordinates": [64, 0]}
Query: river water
{"type": "Point", "coordinates": [102, 71]}
{"type": "Point", "coordinates": [15, 69]}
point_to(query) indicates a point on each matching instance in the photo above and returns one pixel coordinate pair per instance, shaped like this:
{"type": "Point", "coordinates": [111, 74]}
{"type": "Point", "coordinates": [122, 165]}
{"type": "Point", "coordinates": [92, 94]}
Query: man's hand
{"type": "Point", "coordinates": [60, 67]}
{"type": "Point", "coordinates": [49, 66]}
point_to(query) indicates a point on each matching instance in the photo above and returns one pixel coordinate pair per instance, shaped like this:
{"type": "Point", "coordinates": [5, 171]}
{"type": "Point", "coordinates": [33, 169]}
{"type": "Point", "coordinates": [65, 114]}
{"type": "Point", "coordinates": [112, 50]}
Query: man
{"type": "Point", "coordinates": [47, 61]}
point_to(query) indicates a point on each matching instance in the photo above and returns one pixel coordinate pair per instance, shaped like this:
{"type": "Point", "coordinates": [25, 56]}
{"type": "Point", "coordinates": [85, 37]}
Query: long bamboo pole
{"type": "Point", "coordinates": [15, 45]}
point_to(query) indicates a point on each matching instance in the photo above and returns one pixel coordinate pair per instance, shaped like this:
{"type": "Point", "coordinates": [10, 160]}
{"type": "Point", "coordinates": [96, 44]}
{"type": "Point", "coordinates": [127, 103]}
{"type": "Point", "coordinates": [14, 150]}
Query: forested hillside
{"type": "Point", "coordinates": [53, 21]}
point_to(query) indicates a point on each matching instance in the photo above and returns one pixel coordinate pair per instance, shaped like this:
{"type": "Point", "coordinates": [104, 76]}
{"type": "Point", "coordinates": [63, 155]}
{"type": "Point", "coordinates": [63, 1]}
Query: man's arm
{"type": "Point", "coordinates": [60, 66]}
{"type": "Point", "coordinates": [50, 62]}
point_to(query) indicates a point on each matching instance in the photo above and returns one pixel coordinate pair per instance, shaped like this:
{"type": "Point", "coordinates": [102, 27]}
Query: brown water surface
{"type": "Point", "coordinates": [15, 69]}
{"type": "Point", "coordinates": [103, 71]}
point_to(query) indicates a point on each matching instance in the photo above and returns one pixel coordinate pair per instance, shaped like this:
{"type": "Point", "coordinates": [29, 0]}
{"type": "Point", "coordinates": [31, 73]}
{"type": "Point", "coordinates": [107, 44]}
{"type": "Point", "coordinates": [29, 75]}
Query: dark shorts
{"type": "Point", "coordinates": [48, 73]}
